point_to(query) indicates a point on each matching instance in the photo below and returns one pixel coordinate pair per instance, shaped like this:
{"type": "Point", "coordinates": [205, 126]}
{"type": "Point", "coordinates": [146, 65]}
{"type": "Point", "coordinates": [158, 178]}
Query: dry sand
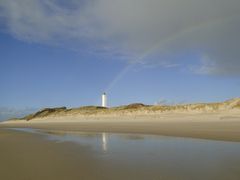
{"type": "Point", "coordinates": [217, 126]}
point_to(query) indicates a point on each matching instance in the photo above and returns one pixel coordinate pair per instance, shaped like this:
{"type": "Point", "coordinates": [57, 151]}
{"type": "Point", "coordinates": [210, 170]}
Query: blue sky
{"type": "Point", "coordinates": [67, 54]}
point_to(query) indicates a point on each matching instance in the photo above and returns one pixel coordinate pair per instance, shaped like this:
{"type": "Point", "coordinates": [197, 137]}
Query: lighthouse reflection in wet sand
{"type": "Point", "coordinates": [104, 142]}
{"type": "Point", "coordinates": [104, 100]}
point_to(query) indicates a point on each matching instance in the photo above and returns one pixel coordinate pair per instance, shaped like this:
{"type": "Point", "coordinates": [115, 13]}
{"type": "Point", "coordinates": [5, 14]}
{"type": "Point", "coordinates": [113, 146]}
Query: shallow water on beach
{"type": "Point", "coordinates": [155, 157]}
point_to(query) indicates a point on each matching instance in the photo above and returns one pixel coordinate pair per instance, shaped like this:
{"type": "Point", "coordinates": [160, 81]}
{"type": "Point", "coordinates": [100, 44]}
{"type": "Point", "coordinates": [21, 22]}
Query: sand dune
{"type": "Point", "coordinates": [137, 109]}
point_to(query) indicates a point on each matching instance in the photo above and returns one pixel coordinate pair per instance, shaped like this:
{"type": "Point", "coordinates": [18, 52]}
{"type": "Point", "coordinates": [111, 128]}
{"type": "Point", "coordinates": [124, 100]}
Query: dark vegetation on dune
{"type": "Point", "coordinates": [45, 112]}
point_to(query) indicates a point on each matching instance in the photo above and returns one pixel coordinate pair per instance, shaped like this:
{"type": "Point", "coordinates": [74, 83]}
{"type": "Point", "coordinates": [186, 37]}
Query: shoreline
{"type": "Point", "coordinates": [215, 126]}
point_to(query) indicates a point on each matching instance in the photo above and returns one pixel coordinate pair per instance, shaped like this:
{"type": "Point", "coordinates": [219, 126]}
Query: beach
{"type": "Point", "coordinates": [170, 145]}
{"type": "Point", "coordinates": [216, 126]}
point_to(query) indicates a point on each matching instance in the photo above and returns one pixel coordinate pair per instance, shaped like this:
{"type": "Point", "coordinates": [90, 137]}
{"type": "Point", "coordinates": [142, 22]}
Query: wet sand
{"type": "Point", "coordinates": [30, 156]}
{"type": "Point", "coordinates": [26, 156]}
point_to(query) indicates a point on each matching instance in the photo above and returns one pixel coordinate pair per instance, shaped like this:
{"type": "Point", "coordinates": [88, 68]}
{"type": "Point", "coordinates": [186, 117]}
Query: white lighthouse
{"type": "Point", "coordinates": [104, 100]}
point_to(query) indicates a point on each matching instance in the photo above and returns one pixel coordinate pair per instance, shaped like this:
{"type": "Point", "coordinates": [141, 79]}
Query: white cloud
{"type": "Point", "coordinates": [139, 27]}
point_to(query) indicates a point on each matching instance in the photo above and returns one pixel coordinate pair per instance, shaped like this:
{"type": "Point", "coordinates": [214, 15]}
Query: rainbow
{"type": "Point", "coordinates": [161, 44]}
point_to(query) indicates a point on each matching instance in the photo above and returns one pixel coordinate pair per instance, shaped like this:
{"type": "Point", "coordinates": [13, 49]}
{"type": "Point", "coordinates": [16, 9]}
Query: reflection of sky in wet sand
{"type": "Point", "coordinates": [186, 157]}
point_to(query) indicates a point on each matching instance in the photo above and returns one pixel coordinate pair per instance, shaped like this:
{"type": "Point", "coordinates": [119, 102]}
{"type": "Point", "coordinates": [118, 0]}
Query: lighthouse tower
{"type": "Point", "coordinates": [104, 100]}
